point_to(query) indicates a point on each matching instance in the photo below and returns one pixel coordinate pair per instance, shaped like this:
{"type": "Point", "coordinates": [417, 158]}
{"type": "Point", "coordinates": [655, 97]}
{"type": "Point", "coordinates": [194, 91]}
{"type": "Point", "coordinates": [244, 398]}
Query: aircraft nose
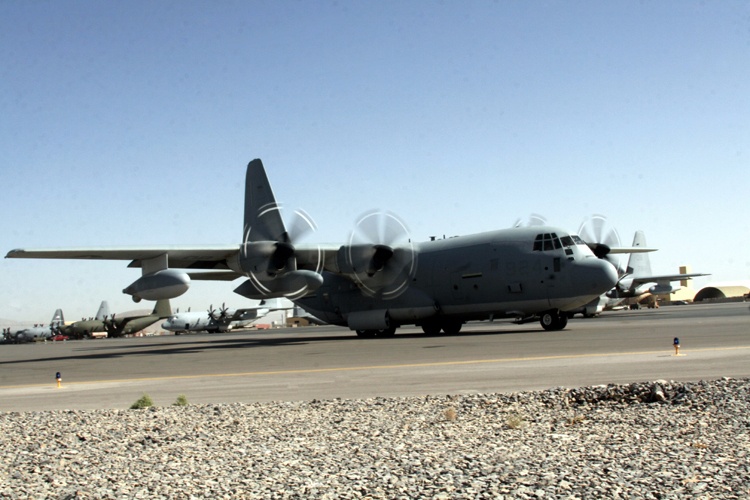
{"type": "Point", "coordinates": [604, 276]}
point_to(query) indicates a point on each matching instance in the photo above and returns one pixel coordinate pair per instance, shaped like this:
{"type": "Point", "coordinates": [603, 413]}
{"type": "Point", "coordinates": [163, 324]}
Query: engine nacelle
{"type": "Point", "coordinates": [663, 289]}
{"type": "Point", "coordinates": [352, 259]}
{"type": "Point", "coordinates": [164, 284]}
{"type": "Point", "coordinates": [290, 284]}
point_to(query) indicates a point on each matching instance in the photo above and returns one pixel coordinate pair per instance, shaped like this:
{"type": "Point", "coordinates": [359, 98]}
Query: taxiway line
{"type": "Point", "coordinates": [385, 367]}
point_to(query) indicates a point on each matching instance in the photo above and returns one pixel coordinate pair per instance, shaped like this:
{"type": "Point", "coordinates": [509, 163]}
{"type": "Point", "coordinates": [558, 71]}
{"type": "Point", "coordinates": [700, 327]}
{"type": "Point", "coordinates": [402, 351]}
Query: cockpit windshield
{"type": "Point", "coordinates": [573, 239]}
{"type": "Point", "coordinates": [550, 241]}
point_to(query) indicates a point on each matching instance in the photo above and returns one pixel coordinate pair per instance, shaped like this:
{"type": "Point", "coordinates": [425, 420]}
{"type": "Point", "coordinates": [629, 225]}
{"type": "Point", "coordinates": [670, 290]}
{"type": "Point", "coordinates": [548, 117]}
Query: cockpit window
{"type": "Point", "coordinates": [538, 243]}
{"type": "Point", "coordinates": [546, 242]}
{"type": "Point", "coordinates": [556, 241]}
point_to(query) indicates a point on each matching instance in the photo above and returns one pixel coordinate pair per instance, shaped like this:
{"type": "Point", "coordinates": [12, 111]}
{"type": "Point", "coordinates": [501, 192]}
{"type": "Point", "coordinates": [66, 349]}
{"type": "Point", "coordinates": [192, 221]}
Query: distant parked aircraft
{"type": "Point", "coordinates": [214, 320]}
{"type": "Point", "coordinates": [117, 326]}
{"type": "Point", "coordinates": [639, 282]}
{"type": "Point", "coordinates": [636, 283]}
{"type": "Point", "coordinates": [87, 327]}
{"type": "Point", "coordinates": [39, 332]}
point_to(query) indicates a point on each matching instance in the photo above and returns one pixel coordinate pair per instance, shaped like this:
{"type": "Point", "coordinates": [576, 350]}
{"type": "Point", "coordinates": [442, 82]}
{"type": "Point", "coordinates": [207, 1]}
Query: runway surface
{"type": "Point", "coordinates": [293, 364]}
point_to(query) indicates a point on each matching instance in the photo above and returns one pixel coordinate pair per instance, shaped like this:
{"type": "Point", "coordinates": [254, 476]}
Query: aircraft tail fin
{"type": "Point", "coordinates": [103, 311]}
{"type": "Point", "coordinates": [57, 318]}
{"type": "Point", "coordinates": [262, 216]}
{"type": "Point", "coordinates": [163, 308]}
{"type": "Point", "coordinates": [639, 264]}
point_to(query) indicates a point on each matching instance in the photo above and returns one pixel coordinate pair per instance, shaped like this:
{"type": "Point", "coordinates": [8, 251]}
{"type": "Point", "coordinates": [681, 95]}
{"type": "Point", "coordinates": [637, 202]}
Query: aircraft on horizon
{"type": "Point", "coordinates": [636, 283]}
{"type": "Point", "coordinates": [639, 282]}
{"type": "Point", "coordinates": [37, 332]}
{"type": "Point", "coordinates": [86, 328]}
{"type": "Point", "coordinates": [116, 326]}
{"type": "Point", "coordinates": [379, 279]}
{"type": "Point", "coordinates": [213, 321]}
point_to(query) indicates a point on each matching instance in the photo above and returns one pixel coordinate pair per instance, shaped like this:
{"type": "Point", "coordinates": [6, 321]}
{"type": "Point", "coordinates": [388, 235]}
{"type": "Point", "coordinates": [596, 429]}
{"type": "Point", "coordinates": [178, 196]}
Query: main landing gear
{"type": "Point", "coordinates": [387, 332]}
{"type": "Point", "coordinates": [553, 320]}
{"type": "Point", "coordinates": [447, 326]}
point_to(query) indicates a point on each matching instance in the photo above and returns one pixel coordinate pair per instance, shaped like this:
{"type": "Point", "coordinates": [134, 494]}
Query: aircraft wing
{"type": "Point", "coordinates": [198, 257]}
{"type": "Point", "coordinates": [666, 278]}
{"type": "Point", "coordinates": [180, 257]}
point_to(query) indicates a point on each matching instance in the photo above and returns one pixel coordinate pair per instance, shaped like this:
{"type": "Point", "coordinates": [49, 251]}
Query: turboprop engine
{"type": "Point", "coordinates": [164, 284]}
{"type": "Point", "coordinates": [290, 284]}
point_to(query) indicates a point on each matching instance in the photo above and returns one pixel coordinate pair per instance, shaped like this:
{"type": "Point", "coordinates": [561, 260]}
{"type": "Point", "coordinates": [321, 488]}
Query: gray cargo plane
{"type": "Point", "coordinates": [639, 282]}
{"type": "Point", "coordinates": [379, 279]}
{"type": "Point", "coordinates": [38, 332]}
{"type": "Point", "coordinates": [213, 321]}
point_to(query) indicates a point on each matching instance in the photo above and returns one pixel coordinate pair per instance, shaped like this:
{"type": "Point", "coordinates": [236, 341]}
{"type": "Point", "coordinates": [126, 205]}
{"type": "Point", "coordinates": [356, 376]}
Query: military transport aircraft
{"type": "Point", "coordinates": [213, 321]}
{"type": "Point", "coordinates": [639, 282]}
{"type": "Point", "coordinates": [116, 326]}
{"type": "Point", "coordinates": [636, 282]}
{"type": "Point", "coordinates": [38, 332]}
{"type": "Point", "coordinates": [379, 279]}
{"type": "Point", "coordinates": [86, 328]}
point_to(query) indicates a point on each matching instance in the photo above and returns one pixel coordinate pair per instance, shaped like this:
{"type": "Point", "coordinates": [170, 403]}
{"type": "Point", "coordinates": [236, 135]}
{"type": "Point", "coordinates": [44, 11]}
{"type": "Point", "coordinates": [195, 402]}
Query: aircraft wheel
{"type": "Point", "coordinates": [366, 333]}
{"type": "Point", "coordinates": [388, 332]}
{"type": "Point", "coordinates": [431, 328]}
{"type": "Point", "coordinates": [553, 320]}
{"type": "Point", "coordinates": [452, 327]}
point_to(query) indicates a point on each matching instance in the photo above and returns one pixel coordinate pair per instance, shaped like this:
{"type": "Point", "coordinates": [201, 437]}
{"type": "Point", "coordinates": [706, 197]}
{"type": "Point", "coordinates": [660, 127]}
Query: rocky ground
{"type": "Point", "coordinates": [646, 440]}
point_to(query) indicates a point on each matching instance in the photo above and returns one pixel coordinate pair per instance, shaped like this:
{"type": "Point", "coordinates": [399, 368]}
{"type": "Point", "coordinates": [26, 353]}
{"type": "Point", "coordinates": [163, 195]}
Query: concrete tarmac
{"type": "Point", "coordinates": [293, 364]}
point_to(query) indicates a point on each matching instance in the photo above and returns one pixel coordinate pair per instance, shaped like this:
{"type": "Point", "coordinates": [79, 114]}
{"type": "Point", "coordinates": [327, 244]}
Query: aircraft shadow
{"type": "Point", "coordinates": [84, 353]}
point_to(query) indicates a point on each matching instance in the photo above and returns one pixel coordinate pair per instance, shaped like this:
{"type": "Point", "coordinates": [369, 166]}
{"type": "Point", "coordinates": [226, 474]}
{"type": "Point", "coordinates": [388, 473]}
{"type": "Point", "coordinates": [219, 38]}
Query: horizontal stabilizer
{"type": "Point", "coordinates": [631, 250]}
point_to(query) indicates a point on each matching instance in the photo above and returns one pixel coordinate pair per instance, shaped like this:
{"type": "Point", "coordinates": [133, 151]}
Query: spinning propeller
{"type": "Point", "coordinates": [601, 237]}
{"type": "Point", "coordinates": [533, 220]}
{"type": "Point", "coordinates": [379, 255]}
{"type": "Point", "coordinates": [268, 255]}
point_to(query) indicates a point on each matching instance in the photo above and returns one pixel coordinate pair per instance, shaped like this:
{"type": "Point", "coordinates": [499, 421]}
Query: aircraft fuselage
{"type": "Point", "coordinates": [505, 273]}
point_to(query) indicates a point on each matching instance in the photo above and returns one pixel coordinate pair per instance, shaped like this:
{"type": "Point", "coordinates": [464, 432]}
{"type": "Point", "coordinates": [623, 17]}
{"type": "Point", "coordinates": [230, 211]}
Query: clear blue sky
{"type": "Point", "coordinates": [131, 123]}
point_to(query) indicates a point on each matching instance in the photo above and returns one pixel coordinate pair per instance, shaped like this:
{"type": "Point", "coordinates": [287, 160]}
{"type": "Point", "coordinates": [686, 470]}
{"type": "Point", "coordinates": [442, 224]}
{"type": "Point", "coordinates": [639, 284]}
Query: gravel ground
{"type": "Point", "coordinates": [644, 440]}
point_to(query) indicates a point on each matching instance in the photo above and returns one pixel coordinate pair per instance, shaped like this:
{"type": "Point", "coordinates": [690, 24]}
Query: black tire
{"type": "Point", "coordinates": [388, 332]}
{"type": "Point", "coordinates": [432, 328]}
{"type": "Point", "coordinates": [553, 320]}
{"type": "Point", "coordinates": [452, 327]}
